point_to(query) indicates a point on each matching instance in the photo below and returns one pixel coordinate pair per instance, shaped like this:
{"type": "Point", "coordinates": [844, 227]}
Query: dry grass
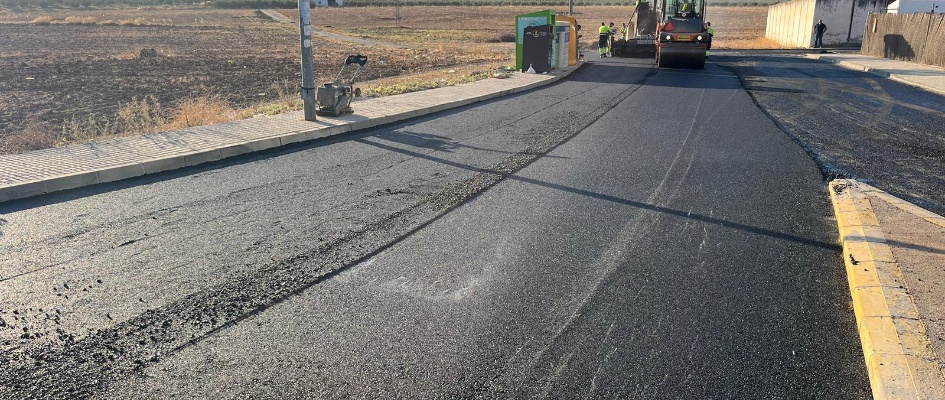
{"type": "Point", "coordinates": [427, 80]}
{"type": "Point", "coordinates": [139, 116]}
{"type": "Point", "coordinates": [201, 111]}
{"type": "Point", "coordinates": [42, 20]}
{"type": "Point", "coordinates": [74, 20]}
{"type": "Point", "coordinates": [34, 136]}
{"type": "Point", "coordinates": [133, 22]}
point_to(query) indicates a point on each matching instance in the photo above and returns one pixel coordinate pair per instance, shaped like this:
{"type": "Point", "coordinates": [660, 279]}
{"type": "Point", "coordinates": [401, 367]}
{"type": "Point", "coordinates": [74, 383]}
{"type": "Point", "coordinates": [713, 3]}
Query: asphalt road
{"type": "Point", "coordinates": [626, 233]}
{"type": "Point", "coordinates": [854, 124]}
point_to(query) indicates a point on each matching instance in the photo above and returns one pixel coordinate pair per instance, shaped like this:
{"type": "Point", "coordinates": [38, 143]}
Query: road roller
{"type": "Point", "coordinates": [682, 39]}
{"type": "Point", "coordinates": [673, 31]}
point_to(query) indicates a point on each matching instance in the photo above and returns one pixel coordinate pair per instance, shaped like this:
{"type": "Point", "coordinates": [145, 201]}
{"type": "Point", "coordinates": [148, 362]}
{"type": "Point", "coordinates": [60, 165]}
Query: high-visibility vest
{"type": "Point", "coordinates": [604, 30]}
{"type": "Point", "coordinates": [711, 31]}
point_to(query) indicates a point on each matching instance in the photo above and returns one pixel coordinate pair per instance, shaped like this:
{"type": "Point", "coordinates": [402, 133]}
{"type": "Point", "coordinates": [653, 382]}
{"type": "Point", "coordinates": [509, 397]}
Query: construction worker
{"type": "Point", "coordinates": [602, 43]}
{"type": "Point", "coordinates": [709, 33]}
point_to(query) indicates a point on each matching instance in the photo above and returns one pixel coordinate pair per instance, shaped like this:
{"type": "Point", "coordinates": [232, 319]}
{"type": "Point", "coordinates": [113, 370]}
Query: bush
{"type": "Point", "coordinates": [34, 136]}
{"type": "Point", "coordinates": [506, 37]}
{"type": "Point", "coordinates": [71, 20]}
{"type": "Point", "coordinates": [44, 20]}
{"type": "Point", "coordinates": [201, 111]}
{"type": "Point", "coordinates": [133, 22]}
{"type": "Point", "coordinates": [139, 116]}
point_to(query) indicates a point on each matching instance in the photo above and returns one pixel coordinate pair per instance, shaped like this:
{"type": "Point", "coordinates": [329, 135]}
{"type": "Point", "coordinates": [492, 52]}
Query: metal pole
{"type": "Point", "coordinates": [570, 8]}
{"type": "Point", "coordinates": [850, 28]}
{"type": "Point", "coordinates": [308, 67]}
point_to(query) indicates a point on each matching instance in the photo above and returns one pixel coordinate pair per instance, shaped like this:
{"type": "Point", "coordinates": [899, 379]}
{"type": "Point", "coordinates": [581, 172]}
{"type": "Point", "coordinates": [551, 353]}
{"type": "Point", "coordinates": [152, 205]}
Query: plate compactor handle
{"type": "Point", "coordinates": [358, 59]}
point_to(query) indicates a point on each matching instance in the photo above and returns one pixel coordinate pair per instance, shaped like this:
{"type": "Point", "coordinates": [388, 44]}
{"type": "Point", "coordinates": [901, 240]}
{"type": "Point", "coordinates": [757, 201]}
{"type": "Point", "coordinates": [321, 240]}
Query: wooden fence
{"type": "Point", "coordinates": [907, 37]}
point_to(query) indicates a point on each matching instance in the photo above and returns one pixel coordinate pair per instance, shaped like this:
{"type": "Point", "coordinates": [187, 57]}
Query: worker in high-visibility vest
{"type": "Point", "coordinates": [602, 44]}
{"type": "Point", "coordinates": [709, 33]}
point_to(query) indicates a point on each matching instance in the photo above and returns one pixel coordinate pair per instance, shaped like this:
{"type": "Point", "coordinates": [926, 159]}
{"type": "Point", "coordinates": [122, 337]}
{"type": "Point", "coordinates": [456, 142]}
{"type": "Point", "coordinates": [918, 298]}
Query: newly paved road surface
{"type": "Point", "coordinates": [627, 233]}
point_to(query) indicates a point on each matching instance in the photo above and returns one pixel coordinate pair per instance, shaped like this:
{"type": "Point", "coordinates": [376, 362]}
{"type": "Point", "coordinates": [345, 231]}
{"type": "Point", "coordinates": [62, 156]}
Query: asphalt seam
{"type": "Point", "coordinates": [162, 164]}
{"type": "Point", "coordinates": [893, 337]}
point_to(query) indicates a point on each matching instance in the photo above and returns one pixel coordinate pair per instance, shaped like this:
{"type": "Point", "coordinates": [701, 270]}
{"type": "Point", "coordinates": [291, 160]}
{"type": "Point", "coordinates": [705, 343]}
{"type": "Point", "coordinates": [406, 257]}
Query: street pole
{"type": "Point", "coordinates": [308, 68]}
{"type": "Point", "coordinates": [570, 8]}
{"type": "Point", "coordinates": [850, 28]}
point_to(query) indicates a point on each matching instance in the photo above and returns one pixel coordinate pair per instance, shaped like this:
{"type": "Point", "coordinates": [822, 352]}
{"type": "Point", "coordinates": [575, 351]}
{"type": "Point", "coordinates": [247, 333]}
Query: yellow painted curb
{"type": "Point", "coordinates": [893, 337]}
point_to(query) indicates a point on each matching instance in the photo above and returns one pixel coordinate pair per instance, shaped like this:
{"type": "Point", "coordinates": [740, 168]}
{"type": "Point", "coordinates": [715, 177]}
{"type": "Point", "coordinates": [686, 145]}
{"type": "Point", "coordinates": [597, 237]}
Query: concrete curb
{"type": "Point", "coordinates": [895, 346]}
{"type": "Point", "coordinates": [873, 71]}
{"type": "Point", "coordinates": [348, 123]}
{"type": "Point", "coordinates": [848, 65]}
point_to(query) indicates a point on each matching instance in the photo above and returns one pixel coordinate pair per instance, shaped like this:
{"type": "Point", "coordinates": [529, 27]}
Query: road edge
{"type": "Point", "coordinates": [891, 334]}
{"type": "Point", "coordinates": [152, 166]}
{"type": "Point", "coordinates": [874, 71]}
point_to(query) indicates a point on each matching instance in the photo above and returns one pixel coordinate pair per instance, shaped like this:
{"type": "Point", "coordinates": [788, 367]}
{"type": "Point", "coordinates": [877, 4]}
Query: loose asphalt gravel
{"type": "Point", "coordinates": [854, 124]}
{"type": "Point", "coordinates": [626, 233]}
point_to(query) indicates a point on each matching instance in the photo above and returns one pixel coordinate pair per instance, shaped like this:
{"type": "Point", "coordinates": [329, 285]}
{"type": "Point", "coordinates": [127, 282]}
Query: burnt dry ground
{"type": "Point", "coordinates": [854, 124]}
{"type": "Point", "coordinates": [58, 72]}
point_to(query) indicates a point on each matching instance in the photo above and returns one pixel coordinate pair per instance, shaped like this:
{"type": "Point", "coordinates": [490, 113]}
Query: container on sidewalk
{"type": "Point", "coordinates": [534, 41]}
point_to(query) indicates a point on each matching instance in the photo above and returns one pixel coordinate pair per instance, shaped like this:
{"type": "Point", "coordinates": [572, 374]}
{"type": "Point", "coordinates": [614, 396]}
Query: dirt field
{"type": "Point", "coordinates": [60, 72]}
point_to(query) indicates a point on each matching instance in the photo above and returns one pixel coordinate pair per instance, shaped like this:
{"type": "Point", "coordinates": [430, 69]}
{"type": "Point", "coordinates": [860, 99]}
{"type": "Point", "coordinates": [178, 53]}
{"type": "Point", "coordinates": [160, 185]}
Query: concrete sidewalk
{"type": "Point", "coordinates": [69, 167]}
{"type": "Point", "coordinates": [926, 77]}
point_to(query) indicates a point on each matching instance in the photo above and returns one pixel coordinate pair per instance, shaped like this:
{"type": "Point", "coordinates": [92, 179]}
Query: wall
{"type": "Point", "coordinates": [836, 15]}
{"type": "Point", "coordinates": [906, 37]}
{"type": "Point", "coordinates": [788, 23]}
{"type": "Point", "coordinates": [792, 23]}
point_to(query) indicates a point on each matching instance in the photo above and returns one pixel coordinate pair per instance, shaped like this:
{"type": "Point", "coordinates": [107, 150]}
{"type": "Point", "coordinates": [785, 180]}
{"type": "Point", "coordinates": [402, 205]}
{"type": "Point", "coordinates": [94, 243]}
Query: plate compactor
{"type": "Point", "coordinates": [334, 98]}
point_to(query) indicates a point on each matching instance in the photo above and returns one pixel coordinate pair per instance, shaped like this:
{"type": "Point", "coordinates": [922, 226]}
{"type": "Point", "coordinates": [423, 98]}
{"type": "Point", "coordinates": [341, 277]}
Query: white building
{"type": "Point", "coordinates": [916, 6]}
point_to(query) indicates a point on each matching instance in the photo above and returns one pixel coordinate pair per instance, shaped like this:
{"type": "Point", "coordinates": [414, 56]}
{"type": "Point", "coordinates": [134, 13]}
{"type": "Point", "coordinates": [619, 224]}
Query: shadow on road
{"type": "Point", "coordinates": [641, 205]}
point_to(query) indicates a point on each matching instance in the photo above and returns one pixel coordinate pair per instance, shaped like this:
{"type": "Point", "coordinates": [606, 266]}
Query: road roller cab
{"type": "Point", "coordinates": [681, 35]}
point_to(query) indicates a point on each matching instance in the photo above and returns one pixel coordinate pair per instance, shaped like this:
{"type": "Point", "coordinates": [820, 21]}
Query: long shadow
{"type": "Point", "coordinates": [638, 204]}
{"type": "Point", "coordinates": [435, 142]}
{"type": "Point", "coordinates": [917, 247]}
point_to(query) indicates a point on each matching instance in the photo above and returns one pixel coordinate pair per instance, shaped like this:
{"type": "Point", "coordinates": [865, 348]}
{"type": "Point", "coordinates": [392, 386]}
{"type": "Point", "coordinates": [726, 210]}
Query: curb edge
{"type": "Point", "coordinates": [891, 334]}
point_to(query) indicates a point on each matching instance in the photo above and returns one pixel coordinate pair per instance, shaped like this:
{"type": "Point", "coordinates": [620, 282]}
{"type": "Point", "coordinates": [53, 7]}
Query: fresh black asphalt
{"type": "Point", "coordinates": [626, 233]}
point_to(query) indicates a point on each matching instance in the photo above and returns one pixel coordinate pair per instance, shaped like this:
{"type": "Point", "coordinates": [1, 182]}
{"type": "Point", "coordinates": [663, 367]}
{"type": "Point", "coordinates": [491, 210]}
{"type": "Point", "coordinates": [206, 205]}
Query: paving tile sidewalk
{"type": "Point", "coordinates": [51, 170]}
{"type": "Point", "coordinates": [894, 254]}
{"type": "Point", "coordinates": [927, 77]}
